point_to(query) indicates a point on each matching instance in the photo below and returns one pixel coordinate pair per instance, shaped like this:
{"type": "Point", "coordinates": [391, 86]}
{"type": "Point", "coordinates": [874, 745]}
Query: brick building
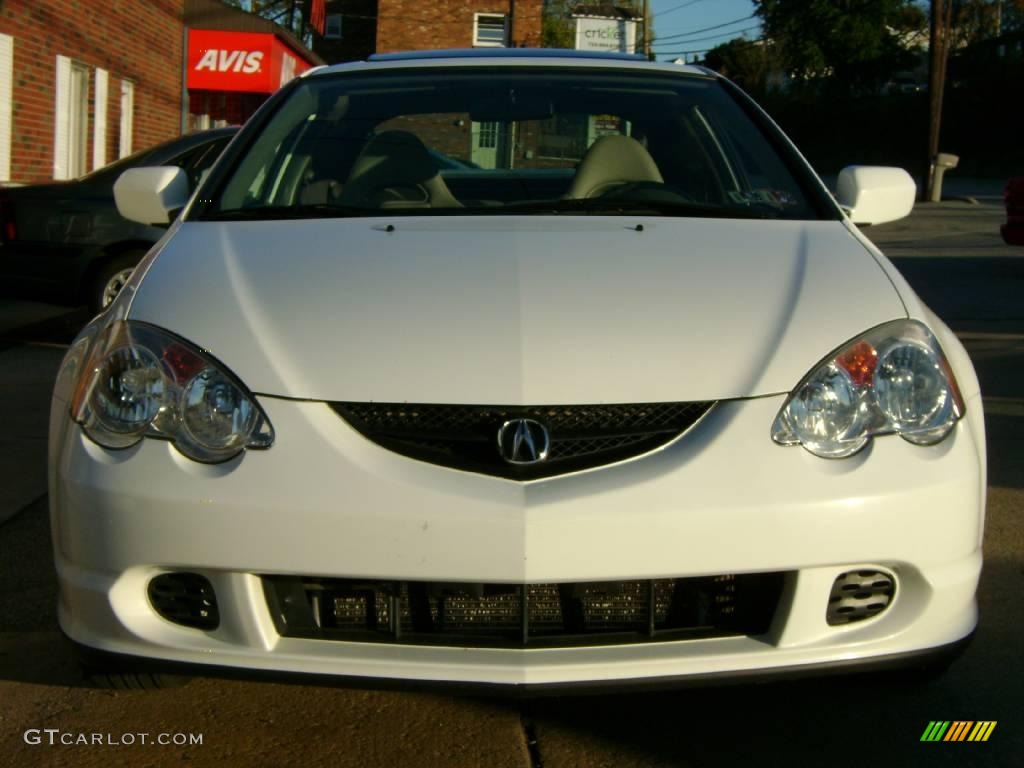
{"type": "Point", "coordinates": [85, 82]}
{"type": "Point", "coordinates": [357, 28]}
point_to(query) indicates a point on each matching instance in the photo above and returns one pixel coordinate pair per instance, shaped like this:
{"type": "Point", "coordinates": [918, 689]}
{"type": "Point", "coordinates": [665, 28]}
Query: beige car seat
{"type": "Point", "coordinates": [612, 161]}
{"type": "Point", "coordinates": [395, 170]}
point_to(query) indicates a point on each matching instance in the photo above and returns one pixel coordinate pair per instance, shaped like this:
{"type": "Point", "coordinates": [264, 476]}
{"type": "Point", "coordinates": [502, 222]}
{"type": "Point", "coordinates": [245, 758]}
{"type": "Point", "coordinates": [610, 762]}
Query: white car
{"type": "Point", "coordinates": [620, 395]}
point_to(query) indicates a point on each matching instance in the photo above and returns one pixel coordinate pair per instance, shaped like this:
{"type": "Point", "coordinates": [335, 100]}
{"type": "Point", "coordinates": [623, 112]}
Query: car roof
{"type": "Point", "coordinates": [487, 57]}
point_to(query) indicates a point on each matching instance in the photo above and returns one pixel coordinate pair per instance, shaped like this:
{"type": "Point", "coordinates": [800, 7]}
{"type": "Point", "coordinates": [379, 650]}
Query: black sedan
{"type": "Point", "coordinates": [65, 241]}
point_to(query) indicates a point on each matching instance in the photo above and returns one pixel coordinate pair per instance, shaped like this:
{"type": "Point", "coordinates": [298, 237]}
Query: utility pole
{"type": "Point", "coordinates": [938, 55]}
{"type": "Point", "coordinates": [647, 28]}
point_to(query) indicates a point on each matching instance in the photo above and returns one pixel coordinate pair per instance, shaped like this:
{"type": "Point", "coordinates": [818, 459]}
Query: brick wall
{"type": "Point", "coordinates": [138, 40]}
{"type": "Point", "coordinates": [410, 25]}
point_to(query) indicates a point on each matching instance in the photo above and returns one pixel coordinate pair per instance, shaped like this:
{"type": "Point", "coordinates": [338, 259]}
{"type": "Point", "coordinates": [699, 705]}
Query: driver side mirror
{"type": "Point", "coordinates": [151, 196]}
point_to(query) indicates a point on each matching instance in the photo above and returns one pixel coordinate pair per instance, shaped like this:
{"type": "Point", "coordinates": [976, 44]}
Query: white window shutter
{"type": "Point", "coordinates": [6, 103]}
{"type": "Point", "coordinates": [99, 124]}
{"type": "Point", "coordinates": [62, 121]}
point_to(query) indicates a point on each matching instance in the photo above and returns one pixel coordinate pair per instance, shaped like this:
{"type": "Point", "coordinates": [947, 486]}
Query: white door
{"type": "Point", "coordinates": [485, 144]}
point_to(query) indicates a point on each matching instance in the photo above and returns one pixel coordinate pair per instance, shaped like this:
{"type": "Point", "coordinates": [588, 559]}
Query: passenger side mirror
{"type": "Point", "coordinates": [875, 194]}
{"type": "Point", "coordinates": [151, 196]}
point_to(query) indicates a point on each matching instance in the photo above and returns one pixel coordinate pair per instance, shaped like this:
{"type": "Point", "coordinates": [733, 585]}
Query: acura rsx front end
{"type": "Point", "coordinates": [517, 369]}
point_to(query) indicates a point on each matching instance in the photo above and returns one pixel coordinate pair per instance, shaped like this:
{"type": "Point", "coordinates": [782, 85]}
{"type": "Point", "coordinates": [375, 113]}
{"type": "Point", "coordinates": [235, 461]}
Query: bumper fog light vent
{"type": "Point", "coordinates": [859, 595]}
{"type": "Point", "coordinates": [186, 599]}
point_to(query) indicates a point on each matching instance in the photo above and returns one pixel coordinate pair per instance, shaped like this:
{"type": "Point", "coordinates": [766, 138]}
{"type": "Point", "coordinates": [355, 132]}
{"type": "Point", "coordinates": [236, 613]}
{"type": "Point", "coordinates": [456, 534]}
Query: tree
{"type": "Point", "coordinates": [748, 63]}
{"type": "Point", "coordinates": [293, 15]}
{"type": "Point", "coordinates": [857, 44]}
{"type": "Point", "coordinates": [976, 20]}
{"type": "Point", "coordinates": [557, 27]}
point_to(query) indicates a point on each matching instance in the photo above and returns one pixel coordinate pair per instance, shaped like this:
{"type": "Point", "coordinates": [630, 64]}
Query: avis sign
{"type": "Point", "coordinates": [240, 61]}
{"type": "Point", "coordinates": [217, 60]}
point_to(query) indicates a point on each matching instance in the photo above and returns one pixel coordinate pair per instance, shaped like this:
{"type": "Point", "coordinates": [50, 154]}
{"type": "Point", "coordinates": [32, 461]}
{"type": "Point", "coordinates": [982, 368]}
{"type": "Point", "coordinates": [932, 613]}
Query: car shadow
{"type": "Point", "coordinates": [32, 647]}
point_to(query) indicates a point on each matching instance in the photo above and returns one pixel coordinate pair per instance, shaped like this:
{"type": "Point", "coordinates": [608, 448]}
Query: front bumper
{"type": "Point", "coordinates": [326, 502]}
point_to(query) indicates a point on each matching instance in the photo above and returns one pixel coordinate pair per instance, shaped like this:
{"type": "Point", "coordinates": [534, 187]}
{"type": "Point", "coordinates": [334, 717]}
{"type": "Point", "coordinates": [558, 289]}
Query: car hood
{"type": "Point", "coordinates": [516, 310]}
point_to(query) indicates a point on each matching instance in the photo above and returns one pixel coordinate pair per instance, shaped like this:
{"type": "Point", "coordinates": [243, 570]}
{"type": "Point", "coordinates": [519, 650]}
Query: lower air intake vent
{"type": "Point", "coordinates": [518, 616]}
{"type": "Point", "coordinates": [467, 436]}
{"type": "Point", "coordinates": [859, 595]}
{"type": "Point", "coordinates": [186, 599]}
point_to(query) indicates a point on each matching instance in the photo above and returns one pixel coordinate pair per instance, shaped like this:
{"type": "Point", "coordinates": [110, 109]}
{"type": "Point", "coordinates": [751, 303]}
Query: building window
{"type": "Point", "coordinates": [488, 135]}
{"type": "Point", "coordinates": [127, 118]}
{"type": "Point", "coordinates": [70, 138]}
{"type": "Point", "coordinates": [332, 27]}
{"type": "Point", "coordinates": [490, 30]}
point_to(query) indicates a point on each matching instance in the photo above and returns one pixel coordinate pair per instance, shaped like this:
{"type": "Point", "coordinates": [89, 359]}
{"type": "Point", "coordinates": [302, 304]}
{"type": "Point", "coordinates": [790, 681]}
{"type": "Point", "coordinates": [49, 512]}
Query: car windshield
{"type": "Point", "coordinates": [513, 140]}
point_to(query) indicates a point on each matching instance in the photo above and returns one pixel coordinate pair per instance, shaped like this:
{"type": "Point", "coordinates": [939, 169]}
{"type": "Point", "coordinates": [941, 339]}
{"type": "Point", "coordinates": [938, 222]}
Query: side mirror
{"type": "Point", "coordinates": [151, 195]}
{"type": "Point", "coordinates": [875, 194]}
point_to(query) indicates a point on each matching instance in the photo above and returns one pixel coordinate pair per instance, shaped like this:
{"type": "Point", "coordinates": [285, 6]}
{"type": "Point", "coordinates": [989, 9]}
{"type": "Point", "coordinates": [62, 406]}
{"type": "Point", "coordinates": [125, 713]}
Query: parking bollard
{"type": "Point", "coordinates": [942, 163]}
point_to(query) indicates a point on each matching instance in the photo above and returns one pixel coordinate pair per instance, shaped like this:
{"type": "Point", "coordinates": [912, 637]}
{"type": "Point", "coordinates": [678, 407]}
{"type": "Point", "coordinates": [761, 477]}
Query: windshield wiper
{"type": "Point", "coordinates": [627, 207]}
{"type": "Point", "coordinates": [275, 212]}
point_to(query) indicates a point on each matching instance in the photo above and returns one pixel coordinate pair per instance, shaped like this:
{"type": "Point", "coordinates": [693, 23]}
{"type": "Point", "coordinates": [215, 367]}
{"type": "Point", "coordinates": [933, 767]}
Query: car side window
{"type": "Point", "coordinates": [202, 162]}
{"type": "Point", "coordinates": [197, 160]}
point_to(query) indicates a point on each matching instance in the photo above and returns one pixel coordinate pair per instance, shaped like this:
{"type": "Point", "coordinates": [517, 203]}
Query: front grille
{"type": "Point", "coordinates": [518, 616]}
{"type": "Point", "coordinates": [859, 595]}
{"type": "Point", "coordinates": [466, 436]}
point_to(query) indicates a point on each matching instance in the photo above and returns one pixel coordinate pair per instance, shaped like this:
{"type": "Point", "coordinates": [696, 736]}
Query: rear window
{"type": "Point", "coordinates": [515, 140]}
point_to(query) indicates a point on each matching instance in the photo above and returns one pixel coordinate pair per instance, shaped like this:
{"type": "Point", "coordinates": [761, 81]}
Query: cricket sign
{"type": "Point", "coordinates": [600, 34]}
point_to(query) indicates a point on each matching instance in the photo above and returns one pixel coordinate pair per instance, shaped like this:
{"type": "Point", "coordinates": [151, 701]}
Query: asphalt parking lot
{"type": "Point", "coordinates": [950, 252]}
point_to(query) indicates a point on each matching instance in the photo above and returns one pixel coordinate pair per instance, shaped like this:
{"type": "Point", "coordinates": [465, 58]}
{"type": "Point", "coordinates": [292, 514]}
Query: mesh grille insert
{"type": "Point", "coordinates": [466, 436]}
{"type": "Point", "coordinates": [515, 615]}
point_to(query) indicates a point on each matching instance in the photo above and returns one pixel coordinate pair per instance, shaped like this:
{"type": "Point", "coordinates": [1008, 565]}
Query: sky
{"type": "Point", "coordinates": [683, 25]}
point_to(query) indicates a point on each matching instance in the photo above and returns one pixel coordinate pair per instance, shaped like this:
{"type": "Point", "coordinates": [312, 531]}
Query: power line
{"type": "Point", "coordinates": [710, 37]}
{"type": "Point", "coordinates": [678, 8]}
{"type": "Point", "coordinates": [706, 29]}
{"type": "Point", "coordinates": [667, 54]}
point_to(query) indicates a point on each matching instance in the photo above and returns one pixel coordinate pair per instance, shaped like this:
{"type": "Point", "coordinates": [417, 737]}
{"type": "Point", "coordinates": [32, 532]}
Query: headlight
{"type": "Point", "coordinates": [141, 381]}
{"type": "Point", "coordinates": [893, 379]}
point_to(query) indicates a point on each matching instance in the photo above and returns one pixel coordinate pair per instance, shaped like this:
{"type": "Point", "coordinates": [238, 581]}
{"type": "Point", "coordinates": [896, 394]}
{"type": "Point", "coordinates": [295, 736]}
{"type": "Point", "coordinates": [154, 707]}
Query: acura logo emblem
{"type": "Point", "coordinates": [523, 441]}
